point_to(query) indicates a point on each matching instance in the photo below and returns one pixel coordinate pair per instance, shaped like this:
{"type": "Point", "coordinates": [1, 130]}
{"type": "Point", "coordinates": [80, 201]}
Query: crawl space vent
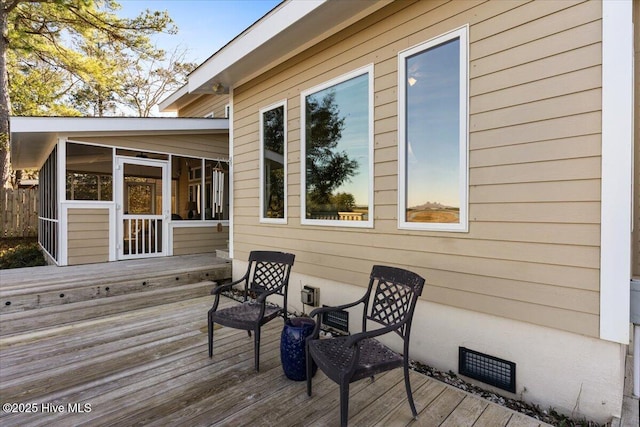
{"type": "Point", "coordinates": [338, 320]}
{"type": "Point", "coordinates": [488, 369]}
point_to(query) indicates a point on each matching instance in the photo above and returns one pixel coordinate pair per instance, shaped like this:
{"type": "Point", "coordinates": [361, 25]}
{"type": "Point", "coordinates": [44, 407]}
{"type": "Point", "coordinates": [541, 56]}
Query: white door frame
{"type": "Point", "coordinates": [164, 215]}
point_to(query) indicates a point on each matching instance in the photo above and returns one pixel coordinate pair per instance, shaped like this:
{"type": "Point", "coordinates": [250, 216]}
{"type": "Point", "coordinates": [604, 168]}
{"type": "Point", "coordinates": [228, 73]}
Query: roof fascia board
{"type": "Point", "coordinates": [114, 124]}
{"type": "Point", "coordinates": [261, 32]}
{"type": "Point", "coordinates": [331, 31]}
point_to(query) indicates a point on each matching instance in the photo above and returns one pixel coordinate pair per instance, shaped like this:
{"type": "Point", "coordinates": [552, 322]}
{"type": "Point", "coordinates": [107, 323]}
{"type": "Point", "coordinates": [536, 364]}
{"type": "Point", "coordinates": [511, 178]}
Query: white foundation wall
{"type": "Point", "coordinates": [576, 375]}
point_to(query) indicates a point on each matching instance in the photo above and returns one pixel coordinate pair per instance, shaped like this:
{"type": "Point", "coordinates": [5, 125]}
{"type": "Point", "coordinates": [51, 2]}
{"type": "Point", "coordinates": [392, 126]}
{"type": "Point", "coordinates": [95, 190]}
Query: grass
{"type": "Point", "coordinates": [18, 252]}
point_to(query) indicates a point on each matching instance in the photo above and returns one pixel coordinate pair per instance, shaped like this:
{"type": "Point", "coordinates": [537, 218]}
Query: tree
{"type": "Point", "coordinates": [326, 167]}
{"type": "Point", "coordinates": [43, 85]}
{"type": "Point", "coordinates": [146, 82]}
{"type": "Point", "coordinates": [61, 35]}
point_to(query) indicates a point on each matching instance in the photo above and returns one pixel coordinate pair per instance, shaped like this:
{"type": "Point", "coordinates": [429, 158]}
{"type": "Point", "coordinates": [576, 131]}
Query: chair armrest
{"type": "Point", "coordinates": [262, 297]}
{"type": "Point", "coordinates": [219, 288]}
{"type": "Point", "coordinates": [355, 338]}
{"type": "Point", "coordinates": [321, 310]}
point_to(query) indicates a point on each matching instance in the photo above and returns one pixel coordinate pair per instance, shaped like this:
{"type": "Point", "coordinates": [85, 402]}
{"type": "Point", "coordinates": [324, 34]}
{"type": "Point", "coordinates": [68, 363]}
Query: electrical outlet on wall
{"type": "Point", "coordinates": [310, 295]}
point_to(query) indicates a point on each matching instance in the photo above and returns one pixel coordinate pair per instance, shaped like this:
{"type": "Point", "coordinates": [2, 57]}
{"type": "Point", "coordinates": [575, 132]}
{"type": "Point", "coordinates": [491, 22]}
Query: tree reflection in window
{"type": "Point", "coordinates": [273, 140]}
{"type": "Point", "coordinates": [337, 155]}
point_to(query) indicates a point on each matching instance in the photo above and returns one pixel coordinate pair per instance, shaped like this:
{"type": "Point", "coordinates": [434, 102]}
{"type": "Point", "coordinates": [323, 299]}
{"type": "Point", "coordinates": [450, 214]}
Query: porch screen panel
{"type": "Point", "coordinates": [89, 173]}
{"type": "Point", "coordinates": [48, 206]}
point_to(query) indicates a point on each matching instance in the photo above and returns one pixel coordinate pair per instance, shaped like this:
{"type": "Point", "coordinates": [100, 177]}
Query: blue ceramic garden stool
{"type": "Point", "coordinates": [292, 347]}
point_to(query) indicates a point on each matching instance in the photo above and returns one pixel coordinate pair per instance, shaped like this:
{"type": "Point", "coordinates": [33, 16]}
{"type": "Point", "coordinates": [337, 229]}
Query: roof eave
{"type": "Point", "coordinates": [281, 34]}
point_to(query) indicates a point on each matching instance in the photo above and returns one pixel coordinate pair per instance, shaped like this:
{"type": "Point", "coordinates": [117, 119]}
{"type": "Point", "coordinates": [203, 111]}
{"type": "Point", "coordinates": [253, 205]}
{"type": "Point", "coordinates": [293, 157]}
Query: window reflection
{"type": "Point", "coordinates": [273, 141]}
{"type": "Point", "coordinates": [433, 134]}
{"type": "Point", "coordinates": [337, 151]}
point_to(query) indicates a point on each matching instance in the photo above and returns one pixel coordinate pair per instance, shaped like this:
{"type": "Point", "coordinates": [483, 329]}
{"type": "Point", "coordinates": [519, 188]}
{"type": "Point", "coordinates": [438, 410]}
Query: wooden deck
{"type": "Point", "coordinates": [149, 366]}
{"type": "Point", "coordinates": [38, 287]}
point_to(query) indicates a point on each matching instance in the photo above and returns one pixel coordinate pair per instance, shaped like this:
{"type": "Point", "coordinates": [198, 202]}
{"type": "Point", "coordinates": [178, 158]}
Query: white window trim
{"type": "Point", "coordinates": [227, 109]}
{"type": "Point", "coordinates": [463, 189]}
{"type": "Point", "coordinates": [368, 69]}
{"type": "Point", "coordinates": [263, 219]}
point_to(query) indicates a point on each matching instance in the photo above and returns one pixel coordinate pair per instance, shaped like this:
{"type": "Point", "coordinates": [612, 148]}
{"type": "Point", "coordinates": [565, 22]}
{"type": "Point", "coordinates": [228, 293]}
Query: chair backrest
{"type": "Point", "coordinates": [270, 271]}
{"type": "Point", "coordinates": [395, 293]}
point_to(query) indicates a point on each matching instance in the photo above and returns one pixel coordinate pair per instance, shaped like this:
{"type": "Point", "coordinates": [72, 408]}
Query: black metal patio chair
{"type": "Point", "coordinates": [267, 274]}
{"type": "Point", "coordinates": [390, 301]}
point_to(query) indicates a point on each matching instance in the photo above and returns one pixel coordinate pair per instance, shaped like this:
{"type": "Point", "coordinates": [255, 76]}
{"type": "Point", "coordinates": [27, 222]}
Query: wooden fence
{"type": "Point", "coordinates": [19, 212]}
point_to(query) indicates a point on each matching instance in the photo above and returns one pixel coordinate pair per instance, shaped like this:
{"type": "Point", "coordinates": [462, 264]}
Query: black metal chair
{"type": "Point", "coordinates": [390, 301]}
{"type": "Point", "coordinates": [267, 274]}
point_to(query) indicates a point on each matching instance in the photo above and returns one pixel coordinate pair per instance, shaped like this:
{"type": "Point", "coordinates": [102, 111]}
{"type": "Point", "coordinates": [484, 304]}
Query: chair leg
{"type": "Point", "coordinates": [210, 331]}
{"type": "Point", "coordinates": [256, 348]}
{"type": "Point", "coordinates": [409, 393]}
{"type": "Point", "coordinates": [344, 404]}
{"type": "Point", "coordinates": [309, 360]}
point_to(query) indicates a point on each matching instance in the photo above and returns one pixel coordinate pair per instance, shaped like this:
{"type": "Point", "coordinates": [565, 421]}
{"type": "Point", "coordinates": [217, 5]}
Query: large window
{"type": "Point", "coordinates": [337, 151]}
{"type": "Point", "coordinates": [273, 164]}
{"type": "Point", "coordinates": [433, 134]}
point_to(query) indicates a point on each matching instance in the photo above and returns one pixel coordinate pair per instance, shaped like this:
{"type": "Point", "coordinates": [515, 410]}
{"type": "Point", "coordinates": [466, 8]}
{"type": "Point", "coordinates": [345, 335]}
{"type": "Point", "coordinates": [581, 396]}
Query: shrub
{"type": "Point", "coordinates": [21, 255]}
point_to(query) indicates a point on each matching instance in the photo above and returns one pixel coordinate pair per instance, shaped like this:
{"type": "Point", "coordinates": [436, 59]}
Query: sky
{"type": "Point", "coordinates": [204, 26]}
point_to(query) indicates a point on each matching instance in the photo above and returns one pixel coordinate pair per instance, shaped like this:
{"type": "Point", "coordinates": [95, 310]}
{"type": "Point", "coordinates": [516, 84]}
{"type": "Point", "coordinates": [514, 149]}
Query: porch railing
{"type": "Point", "coordinates": [142, 236]}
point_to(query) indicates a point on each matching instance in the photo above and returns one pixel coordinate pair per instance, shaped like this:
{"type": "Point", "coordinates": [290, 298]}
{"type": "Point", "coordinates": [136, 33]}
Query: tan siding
{"type": "Point", "coordinates": [204, 106]}
{"type": "Point", "coordinates": [88, 236]}
{"type": "Point", "coordinates": [532, 251]}
{"type": "Point", "coordinates": [204, 145]}
{"type": "Point", "coordinates": [195, 240]}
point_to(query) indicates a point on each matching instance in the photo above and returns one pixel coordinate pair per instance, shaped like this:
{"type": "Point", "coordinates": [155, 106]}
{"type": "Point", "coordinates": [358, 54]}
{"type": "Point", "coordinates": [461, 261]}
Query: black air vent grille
{"type": "Point", "coordinates": [338, 320]}
{"type": "Point", "coordinates": [488, 369]}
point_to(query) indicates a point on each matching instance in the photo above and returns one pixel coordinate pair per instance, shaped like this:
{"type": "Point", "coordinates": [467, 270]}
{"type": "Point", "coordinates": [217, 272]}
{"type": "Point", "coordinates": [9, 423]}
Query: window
{"type": "Point", "coordinates": [273, 164]}
{"type": "Point", "coordinates": [337, 148]}
{"type": "Point", "coordinates": [433, 134]}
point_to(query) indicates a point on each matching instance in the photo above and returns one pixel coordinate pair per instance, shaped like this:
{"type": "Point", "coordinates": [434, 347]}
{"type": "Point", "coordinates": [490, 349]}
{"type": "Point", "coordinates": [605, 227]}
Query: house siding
{"type": "Point", "coordinates": [88, 235]}
{"type": "Point", "coordinates": [532, 250]}
{"type": "Point", "coordinates": [195, 240]}
{"type": "Point", "coordinates": [205, 105]}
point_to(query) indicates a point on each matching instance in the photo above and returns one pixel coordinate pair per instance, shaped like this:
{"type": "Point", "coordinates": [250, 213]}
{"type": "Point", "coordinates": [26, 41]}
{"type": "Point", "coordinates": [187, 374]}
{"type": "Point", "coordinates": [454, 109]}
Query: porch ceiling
{"type": "Point", "coordinates": [32, 138]}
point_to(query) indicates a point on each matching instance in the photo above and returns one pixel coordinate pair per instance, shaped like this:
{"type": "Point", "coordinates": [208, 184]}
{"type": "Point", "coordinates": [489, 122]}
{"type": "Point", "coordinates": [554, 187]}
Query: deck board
{"type": "Point", "coordinates": [150, 366]}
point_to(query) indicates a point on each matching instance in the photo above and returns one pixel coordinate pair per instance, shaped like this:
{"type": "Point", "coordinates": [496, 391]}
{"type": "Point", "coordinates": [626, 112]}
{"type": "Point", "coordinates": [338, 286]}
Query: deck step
{"type": "Point", "coordinates": [42, 292]}
{"type": "Point", "coordinates": [66, 314]}
{"type": "Point", "coordinates": [38, 287]}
